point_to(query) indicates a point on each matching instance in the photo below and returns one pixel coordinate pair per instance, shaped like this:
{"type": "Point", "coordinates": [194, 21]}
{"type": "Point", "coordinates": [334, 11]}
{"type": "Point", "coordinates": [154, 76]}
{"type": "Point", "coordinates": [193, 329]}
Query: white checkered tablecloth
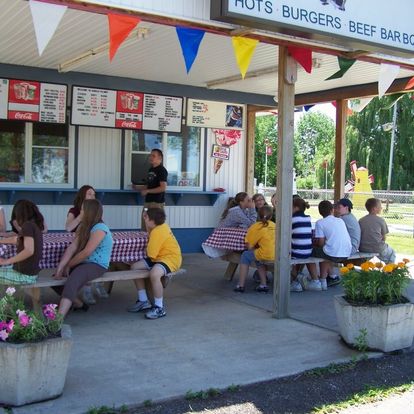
{"type": "Point", "coordinates": [227, 238]}
{"type": "Point", "coordinates": [129, 246]}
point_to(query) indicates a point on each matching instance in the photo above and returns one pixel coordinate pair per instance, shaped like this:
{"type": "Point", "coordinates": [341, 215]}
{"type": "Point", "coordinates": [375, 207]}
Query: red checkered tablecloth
{"type": "Point", "coordinates": [129, 246]}
{"type": "Point", "coordinates": [227, 238]}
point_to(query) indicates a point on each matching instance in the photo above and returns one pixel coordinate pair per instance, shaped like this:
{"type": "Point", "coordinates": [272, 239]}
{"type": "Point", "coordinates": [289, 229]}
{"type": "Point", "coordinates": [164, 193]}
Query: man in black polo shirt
{"type": "Point", "coordinates": [154, 190]}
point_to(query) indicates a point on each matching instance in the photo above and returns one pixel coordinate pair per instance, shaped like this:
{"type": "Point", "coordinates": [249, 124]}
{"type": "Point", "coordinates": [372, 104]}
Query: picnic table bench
{"type": "Point", "coordinates": [234, 260]}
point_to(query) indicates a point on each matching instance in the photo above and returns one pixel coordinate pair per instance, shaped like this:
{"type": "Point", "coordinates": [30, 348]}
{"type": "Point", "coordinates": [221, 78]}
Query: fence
{"type": "Point", "coordinates": [399, 215]}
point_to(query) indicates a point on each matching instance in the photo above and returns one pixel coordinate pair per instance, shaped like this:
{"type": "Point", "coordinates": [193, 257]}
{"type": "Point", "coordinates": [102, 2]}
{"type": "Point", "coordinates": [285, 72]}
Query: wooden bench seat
{"type": "Point", "coordinates": [234, 260]}
{"type": "Point", "coordinates": [46, 280]}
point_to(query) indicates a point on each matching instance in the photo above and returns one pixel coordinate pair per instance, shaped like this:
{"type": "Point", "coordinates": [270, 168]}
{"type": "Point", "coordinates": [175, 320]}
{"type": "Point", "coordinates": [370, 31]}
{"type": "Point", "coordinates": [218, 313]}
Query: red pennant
{"type": "Point", "coordinates": [302, 56]}
{"type": "Point", "coordinates": [120, 27]}
{"type": "Point", "coordinates": [410, 84]}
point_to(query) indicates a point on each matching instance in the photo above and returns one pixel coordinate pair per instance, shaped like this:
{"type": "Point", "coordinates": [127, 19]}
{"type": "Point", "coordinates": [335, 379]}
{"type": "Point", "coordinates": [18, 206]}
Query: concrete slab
{"type": "Point", "coordinates": [211, 337]}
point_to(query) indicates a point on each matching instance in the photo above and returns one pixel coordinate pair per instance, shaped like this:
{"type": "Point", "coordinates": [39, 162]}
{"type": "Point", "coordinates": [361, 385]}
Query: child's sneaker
{"type": "Point", "coordinates": [139, 306]}
{"type": "Point", "coordinates": [87, 295]}
{"type": "Point", "coordinates": [324, 284]}
{"type": "Point", "coordinates": [100, 290]}
{"type": "Point", "coordinates": [295, 286]}
{"type": "Point", "coordinates": [262, 289]}
{"type": "Point", "coordinates": [155, 313]}
{"type": "Point", "coordinates": [314, 285]}
{"type": "Point", "coordinates": [332, 281]}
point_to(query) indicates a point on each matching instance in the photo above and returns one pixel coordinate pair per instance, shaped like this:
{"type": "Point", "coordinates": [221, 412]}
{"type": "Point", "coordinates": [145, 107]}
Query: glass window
{"type": "Point", "coordinates": [12, 151]}
{"type": "Point", "coordinates": [50, 154]}
{"type": "Point", "coordinates": [182, 158]}
{"type": "Point", "coordinates": [142, 144]}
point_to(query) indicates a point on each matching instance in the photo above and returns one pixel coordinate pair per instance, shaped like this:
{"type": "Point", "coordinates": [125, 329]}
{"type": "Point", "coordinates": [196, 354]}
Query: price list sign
{"type": "Point", "coordinates": [32, 101]}
{"type": "Point", "coordinates": [162, 113]}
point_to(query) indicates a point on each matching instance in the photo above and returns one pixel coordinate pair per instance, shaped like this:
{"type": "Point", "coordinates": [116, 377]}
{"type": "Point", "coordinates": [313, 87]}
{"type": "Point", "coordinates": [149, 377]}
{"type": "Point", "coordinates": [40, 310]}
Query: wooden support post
{"type": "Point", "coordinates": [340, 148]}
{"type": "Point", "coordinates": [286, 97]}
{"type": "Point", "coordinates": [251, 127]}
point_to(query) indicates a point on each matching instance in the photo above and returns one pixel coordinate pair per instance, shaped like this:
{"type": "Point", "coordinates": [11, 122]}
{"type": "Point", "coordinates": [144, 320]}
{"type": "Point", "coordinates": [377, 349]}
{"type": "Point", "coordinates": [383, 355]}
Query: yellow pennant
{"type": "Point", "coordinates": [243, 49]}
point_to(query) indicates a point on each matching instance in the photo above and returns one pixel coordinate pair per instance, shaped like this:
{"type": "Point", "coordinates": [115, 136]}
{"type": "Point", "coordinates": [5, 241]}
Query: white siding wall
{"type": "Point", "coordinates": [99, 161]}
{"type": "Point", "coordinates": [197, 9]}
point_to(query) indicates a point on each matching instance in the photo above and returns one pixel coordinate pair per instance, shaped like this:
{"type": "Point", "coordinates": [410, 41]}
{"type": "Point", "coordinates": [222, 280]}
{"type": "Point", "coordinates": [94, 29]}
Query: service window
{"type": "Point", "coordinates": [34, 153]}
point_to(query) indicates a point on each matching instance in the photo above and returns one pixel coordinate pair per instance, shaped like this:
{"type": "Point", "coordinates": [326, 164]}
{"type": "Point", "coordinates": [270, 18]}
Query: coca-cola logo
{"type": "Point", "coordinates": [129, 124]}
{"type": "Point", "coordinates": [26, 115]}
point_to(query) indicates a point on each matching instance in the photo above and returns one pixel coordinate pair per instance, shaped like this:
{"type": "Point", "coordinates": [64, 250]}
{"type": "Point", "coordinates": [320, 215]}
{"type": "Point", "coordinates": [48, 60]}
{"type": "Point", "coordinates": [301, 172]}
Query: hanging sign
{"type": "Point", "coordinates": [374, 25]}
{"type": "Point", "coordinates": [220, 152]}
{"type": "Point", "coordinates": [32, 101]}
{"type": "Point", "coordinates": [125, 109]}
{"type": "Point", "coordinates": [211, 114]}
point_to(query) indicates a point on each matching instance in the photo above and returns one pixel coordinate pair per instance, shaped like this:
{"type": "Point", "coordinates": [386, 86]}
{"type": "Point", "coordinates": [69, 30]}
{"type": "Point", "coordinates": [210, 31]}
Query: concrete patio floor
{"type": "Point", "coordinates": [211, 338]}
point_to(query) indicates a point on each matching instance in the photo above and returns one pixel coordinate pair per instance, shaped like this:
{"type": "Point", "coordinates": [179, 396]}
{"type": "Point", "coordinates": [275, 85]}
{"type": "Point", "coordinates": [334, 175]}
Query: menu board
{"type": "Point", "coordinates": [125, 109]}
{"type": "Point", "coordinates": [32, 101]}
{"type": "Point", "coordinates": [211, 114]}
{"type": "Point", "coordinates": [162, 113]}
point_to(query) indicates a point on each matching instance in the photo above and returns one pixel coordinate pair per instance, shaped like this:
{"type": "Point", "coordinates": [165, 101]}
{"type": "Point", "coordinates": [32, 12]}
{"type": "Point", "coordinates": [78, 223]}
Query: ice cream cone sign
{"type": "Point", "coordinates": [224, 138]}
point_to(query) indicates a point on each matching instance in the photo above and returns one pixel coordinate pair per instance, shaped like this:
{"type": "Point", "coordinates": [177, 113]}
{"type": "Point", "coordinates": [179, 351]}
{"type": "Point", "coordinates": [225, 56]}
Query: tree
{"type": "Point", "coordinates": [314, 143]}
{"type": "Point", "coordinates": [266, 128]}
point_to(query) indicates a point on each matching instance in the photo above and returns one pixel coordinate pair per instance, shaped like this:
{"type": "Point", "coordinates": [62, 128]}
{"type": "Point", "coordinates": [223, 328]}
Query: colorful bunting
{"type": "Point", "coordinates": [344, 66]}
{"type": "Point", "coordinates": [46, 18]}
{"type": "Point", "coordinates": [120, 27]}
{"type": "Point", "coordinates": [190, 40]}
{"type": "Point", "coordinates": [410, 84]}
{"type": "Point", "coordinates": [307, 107]}
{"type": "Point", "coordinates": [387, 75]}
{"type": "Point", "coordinates": [243, 49]}
{"type": "Point", "coordinates": [302, 56]}
{"type": "Point", "coordinates": [393, 100]}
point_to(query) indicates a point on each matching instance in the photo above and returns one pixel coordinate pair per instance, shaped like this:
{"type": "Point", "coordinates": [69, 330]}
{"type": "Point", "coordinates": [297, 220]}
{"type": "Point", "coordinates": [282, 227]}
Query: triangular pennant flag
{"type": "Point", "coordinates": [302, 56]}
{"type": "Point", "coordinates": [357, 105]}
{"type": "Point", "coordinates": [120, 27]}
{"type": "Point", "coordinates": [46, 18]}
{"type": "Point", "coordinates": [190, 40]}
{"type": "Point", "coordinates": [307, 107]}
{"type": "Point", "coordinates": [410, 84]}
{"type": "Point", "coordinates": [344, 66]}
{"type": "Point", "coordinates": [243, 49]}
{"type": "Point", "coordinates": [387, 75]}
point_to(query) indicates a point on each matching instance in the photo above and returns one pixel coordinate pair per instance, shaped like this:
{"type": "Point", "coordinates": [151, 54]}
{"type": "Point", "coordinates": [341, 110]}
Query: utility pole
{"type": "Point", "coordinates": [394, 126]}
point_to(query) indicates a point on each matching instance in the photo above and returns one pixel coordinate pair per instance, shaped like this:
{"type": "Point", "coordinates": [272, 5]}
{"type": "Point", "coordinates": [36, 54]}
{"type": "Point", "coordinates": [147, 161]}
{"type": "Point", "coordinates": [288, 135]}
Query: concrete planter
{"type": "Point", "coordinates": [34, 371]}
{"type": "Point", "coordinates": [388, 327]}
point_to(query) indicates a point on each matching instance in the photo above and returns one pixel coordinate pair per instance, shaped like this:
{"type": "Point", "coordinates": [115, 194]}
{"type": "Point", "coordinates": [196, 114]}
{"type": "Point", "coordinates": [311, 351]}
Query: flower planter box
{"type": "Point", "coordinates": [36, 371]}
{"type": "Point", "coordinates": [389, 328]}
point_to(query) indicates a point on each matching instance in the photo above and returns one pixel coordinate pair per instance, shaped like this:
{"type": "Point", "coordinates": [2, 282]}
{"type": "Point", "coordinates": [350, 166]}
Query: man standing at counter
{"type": "Point", "coordinates": [156, 185]}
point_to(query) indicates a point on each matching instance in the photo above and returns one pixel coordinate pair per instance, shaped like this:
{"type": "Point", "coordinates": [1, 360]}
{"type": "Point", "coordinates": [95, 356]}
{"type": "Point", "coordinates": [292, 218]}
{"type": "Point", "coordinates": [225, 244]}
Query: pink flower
{"type": "Point", "coordinates": [49, 311]}
{"type": "Point", "coordinates": [7, 326]}
{"type": "Point", "coordinates": [10, 291]}
{"type": "Point", "coordinates": [3, 334]}
{"type": "Point", "coordinates": [10, 326]}
{"type": "Point", "coordinates": [24, 320]}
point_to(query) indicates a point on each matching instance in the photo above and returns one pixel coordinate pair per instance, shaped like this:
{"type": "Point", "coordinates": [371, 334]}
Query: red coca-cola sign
{"type": "Point", "coordinates": [24, 116]}
{"type": "Point", "coordinates": [129, 110]}
{"type": "Point", "coordinates": [24, 100]}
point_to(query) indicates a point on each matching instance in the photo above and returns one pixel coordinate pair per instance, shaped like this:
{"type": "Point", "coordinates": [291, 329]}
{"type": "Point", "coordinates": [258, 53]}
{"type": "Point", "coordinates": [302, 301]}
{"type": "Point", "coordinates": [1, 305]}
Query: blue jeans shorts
{"type": "Point", "coordinates": [248, 257]}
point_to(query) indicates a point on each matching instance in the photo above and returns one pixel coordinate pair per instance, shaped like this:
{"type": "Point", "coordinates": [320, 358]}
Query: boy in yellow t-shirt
{"type": "Point", "coordinates": [163, 257]}
{"type": "Point", "coordinates": [260, 241]}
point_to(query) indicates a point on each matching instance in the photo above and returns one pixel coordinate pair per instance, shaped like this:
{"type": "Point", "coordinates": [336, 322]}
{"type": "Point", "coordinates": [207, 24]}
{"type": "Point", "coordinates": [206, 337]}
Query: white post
{"type": "Point", "coordinates": [394, 125]}
{"type": "Point", "coordinates": [265, 183]}
{"type": "Point", "coordinates": [326, 180]}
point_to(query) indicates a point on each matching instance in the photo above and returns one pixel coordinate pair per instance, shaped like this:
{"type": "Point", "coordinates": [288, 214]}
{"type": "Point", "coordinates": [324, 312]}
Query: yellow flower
{"type": "Point", "coordinates": [365, 266]}
{"type": "Point", "coordinates": [350, 266]}
{"type": "Point", "coordinates": [344, 270]}
{"type": "Point", "coordinates": [379, 265]}
{"type": "Point", "coordinates": [388, 268]}
{"type": "Point", "coordinates": [406, 261]}
{"type": "Point", "coordinates": [371, 265]}
{"type": "Point", "coordinates": [401, 265]}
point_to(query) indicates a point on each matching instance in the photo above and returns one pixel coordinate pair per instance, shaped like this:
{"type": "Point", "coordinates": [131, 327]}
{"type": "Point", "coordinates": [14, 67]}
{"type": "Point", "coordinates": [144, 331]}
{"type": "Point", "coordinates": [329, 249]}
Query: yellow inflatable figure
{"type": "Point", "coordinates": [362, 187]}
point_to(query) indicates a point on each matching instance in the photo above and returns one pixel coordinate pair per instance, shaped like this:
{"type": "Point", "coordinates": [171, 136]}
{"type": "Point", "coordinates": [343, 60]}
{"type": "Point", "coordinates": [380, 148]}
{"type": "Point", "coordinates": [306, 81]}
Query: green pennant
{"type": "Point", "coordinates": [344, 66]}
{"type": "Point", "coordinates": [392, 100]}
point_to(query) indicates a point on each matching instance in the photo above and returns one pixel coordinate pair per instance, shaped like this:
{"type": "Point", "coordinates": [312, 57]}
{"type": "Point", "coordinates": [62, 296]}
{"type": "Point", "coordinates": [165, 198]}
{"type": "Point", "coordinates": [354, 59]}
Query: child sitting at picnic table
{"type": "Point", "coordinates": [240, 212]}
{"type": "Point", "coordinates": [373, 232]}
{"type": "Point", "coordinates": [260, 241]}
{"type": "Point", "coordinates": [29, 242]}
{"type": "Point", "coordinates": [302, 246]}
{"type": "Point", "coordinates": [86, 258]}
{"type": "Point", "coordinates": [332, 241]}
{"type": "Point", "coordinates": [163, 257]}
{"type": "Point", "coordinates": [73, 219]}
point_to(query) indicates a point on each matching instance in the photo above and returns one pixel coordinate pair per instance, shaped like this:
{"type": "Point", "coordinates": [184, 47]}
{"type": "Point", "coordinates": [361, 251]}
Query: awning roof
{"type": "Point", "coordinates": [153, 53]}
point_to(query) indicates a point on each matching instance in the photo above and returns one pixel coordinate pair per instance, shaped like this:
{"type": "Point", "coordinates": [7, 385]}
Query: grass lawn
{"type": "Point", "coordinates": [401, 243]}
